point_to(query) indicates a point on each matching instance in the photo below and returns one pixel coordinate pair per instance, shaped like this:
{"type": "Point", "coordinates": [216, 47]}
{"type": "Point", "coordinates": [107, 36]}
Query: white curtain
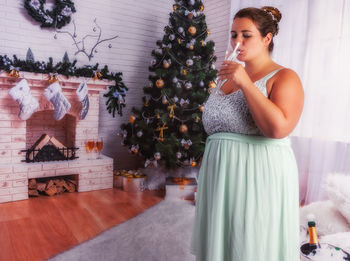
{"type": "Point", "coordinates": [314, 40]}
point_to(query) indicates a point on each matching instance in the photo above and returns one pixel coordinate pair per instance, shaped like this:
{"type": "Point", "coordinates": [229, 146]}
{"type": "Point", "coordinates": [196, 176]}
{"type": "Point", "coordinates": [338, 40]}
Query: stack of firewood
{"type": "Point", "coordinates": [51, 187]}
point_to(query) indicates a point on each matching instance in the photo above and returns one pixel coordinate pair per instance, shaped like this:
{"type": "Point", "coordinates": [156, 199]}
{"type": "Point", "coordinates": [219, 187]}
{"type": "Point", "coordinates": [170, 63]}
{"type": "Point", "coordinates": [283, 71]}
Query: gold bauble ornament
{"type": "Point", "coordinates": [201, 8]}
{"type": "Point", "coordinates": [175, 7]}
{"type": "Point", "coordinates": [179, 40]}
{"type": "Point", "coordinates": [193, 163]}
{"type": "Point", "coordinates": [135, 151]}
{"type": "Point", "coordinates": [202, 43]}
{"type": "Point", "coordinates": [158, 116]}
{"type": "Point", "coordinates": [160, 83]}
{"type": "Point", "coordinates": [184, 72]}
{"type": "Point", "coordinates": [166, 65]}
{"type": "Point", "coordinates": [183, 128]}
{"type": "Point", "coordinates": [132, 118]}
{"type": "Point", "coordinates": [201, 108]}
{"type": "Point", "coordinates": [191, 47]}
{"type": "Point", "coordinates": [212, 85]}
{"type": "Point", "coordinates": [208, 32]}
{"type": "Point", "coordinates": [192, 30]}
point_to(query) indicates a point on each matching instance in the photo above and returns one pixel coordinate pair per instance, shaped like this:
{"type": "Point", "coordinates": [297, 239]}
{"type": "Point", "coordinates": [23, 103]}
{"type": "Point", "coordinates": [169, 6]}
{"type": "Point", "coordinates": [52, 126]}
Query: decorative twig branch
{"type": "Point", "coordinates": [80, 45]}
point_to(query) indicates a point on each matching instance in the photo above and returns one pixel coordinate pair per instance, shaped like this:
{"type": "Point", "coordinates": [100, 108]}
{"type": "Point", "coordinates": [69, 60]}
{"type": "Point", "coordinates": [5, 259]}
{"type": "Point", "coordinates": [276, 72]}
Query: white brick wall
{"type": "Point", "coordinates": [138, 23]}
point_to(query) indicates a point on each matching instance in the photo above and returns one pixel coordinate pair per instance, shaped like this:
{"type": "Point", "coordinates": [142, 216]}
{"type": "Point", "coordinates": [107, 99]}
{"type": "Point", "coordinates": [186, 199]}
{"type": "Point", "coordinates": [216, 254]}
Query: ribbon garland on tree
{"type": "Point", "coordinates": [114, 102]}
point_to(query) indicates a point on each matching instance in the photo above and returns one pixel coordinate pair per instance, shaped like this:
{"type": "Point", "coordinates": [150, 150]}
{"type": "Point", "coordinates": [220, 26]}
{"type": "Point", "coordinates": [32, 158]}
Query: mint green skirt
{"type": "Point", "coordinates": [247, 205]}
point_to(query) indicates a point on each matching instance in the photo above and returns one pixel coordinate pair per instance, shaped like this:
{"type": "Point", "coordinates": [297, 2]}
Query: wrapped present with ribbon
{"type": "Point", "coordinates": [133, 180]}
{"type": "Point", "coordinates": [117, 179]}
{"type": "Point", "coordinates": [180, 188]}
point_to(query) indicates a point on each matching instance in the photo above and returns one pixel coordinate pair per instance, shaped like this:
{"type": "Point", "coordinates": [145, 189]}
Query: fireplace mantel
{"type": "Point", "coordinates": [14, 134]}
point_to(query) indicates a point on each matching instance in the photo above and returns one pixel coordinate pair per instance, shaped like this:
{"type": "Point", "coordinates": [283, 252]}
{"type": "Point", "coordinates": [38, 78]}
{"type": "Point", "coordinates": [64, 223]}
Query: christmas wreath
{"type": "Point", "coordinates": [58, 17]}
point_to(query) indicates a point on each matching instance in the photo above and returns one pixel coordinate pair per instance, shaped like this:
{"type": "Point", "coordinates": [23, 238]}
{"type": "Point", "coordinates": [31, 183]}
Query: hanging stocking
{"type": "Point", "coordinates": [83, 97]}
{"type": "Point", "coordinates": [27, 103]}
{"type": "Point", "coordinates": [60, 103]}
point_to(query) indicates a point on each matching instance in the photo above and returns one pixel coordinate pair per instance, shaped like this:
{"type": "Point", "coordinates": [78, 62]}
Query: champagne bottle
{"type": "Point", "coordinates": [314, 243]}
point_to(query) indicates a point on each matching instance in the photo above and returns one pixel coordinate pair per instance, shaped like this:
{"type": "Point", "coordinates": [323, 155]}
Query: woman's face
{"type": "Point", "coordinates": [252, 44]}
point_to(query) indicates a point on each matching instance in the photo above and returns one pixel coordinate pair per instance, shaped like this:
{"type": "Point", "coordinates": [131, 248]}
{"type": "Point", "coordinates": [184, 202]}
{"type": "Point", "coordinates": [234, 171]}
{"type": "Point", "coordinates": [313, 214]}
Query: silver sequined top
{"type": "Point", "coordinates": [230, 113]}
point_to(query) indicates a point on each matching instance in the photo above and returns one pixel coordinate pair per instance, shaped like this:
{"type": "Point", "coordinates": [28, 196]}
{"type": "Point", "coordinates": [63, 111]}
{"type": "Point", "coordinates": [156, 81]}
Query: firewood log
{"type": "Point", "coordinates": [51, 190]}
{"type": "Point", "coordinates": [32, 184]}
{"type": "Point", "coordinates": [41, 186]}
{"type": "Point", "coordinates": [33, 193]}
{"type": "Point", "coordinates": [41, 142]}
{"type": "Point", "coordinates": [60, 146]}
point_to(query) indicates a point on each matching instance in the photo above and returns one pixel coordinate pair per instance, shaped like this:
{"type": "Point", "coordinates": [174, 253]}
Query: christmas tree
{"type": "Point", "coordinates": [168, 127]}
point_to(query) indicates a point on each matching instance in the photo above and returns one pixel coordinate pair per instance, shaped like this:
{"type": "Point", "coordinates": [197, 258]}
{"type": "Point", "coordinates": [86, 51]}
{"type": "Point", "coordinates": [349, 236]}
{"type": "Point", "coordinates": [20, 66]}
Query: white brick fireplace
{"type": "Point", "coordinates": [17, 135]}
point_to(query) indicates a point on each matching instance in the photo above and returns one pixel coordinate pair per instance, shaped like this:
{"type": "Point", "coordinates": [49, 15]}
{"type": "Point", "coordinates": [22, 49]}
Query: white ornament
{"type": "Point", "coordinates": [176, 99]}
{"type": "Point", "coordinates": [178, 155]}
{"type": "Point", "coordinates": [189, 62]}
{"type": "Point", "coordinates": [164, 100]}
{"type": "Point", "coordinates": [171, 37]}
{"type": "Point", "coordinates": [153, 62]}
{"type": "Point", "coordinates": [212, 66]}
{"type": "Point", "coordinates": [139, 134]}
{"type": "Point", "coordinates": [157, 155]}
{"type": "Point", "coordinates": [188, 85]}
{"type": "Point", "coordinates": [178, 85]}
{"type": "Point", "coordinates": [180, 30]}
{"type": "Point", "coordinates": [201, 83]}
{"type": "Point", "coordinates": [191, 2]}
{"type": "Point", "coordinates": [175, 80]}
{"type": "Point", "coordinates": [150, 84]}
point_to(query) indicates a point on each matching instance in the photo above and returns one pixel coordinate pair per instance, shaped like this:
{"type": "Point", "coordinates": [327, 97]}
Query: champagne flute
{"type": "Point", "coordinates": [89, 146]}
{"type": "Point", "coordinates": [230, 55]}
{"type": "Point", "coordinates": [99, 147]}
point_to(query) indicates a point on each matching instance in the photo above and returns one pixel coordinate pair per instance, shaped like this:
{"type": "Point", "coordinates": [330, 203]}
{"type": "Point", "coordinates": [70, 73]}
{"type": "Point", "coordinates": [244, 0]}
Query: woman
{"type": "Point", "coordinates": [248, 200]}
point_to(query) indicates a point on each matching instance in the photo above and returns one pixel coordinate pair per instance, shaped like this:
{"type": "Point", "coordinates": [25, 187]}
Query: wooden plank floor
{"type": "Point", "coordinates": [42, 227]}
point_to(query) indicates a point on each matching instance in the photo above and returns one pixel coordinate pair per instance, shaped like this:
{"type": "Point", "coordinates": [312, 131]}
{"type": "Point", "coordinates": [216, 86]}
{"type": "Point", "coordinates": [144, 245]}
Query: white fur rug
{"type": "Point", "coordinates": [162, 232]}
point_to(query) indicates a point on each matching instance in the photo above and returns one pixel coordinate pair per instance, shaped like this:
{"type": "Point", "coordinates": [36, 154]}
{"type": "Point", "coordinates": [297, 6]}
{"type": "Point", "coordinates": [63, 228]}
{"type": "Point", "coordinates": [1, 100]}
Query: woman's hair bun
{"type": "Point", "coordinates": [273, 12]}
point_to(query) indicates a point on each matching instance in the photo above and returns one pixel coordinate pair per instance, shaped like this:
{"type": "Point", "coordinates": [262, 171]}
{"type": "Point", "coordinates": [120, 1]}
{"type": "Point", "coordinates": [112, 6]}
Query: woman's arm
{"type": "Point", "coordinates": [277, 117]}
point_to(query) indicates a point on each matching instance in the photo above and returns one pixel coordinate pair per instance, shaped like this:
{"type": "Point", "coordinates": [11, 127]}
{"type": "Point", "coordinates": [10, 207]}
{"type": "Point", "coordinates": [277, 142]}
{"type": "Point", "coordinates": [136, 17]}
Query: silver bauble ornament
{"type": "Point", "coordinates": [201, 83]}
{"type": "Point", "coordinates": [139, 134]}
{"type": "Point", "coordinates": [180, 30]}
{"type": "Point", "coordinates": [171, 37]}
{"type": "Point", "coordinates": [178, 85]}
{"type": "Point", "coordinates": [188, 85]}
{"type": "Point", "coordinates": [153, 62]}
{"type": "Point", "coordinates": [175, 80]}
{"type": "Point", "coordinates": [189, 62]}
{"type": "Point", "coordinates": [157, 155]}
{"type": "Point", "coordinates": [178, 155]}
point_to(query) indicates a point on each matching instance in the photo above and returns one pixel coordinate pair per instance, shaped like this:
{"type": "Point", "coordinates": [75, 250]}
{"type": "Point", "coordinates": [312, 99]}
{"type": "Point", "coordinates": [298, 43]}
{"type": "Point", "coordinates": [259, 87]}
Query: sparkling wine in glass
{"type": "Point", "coordinates": [89, 146]}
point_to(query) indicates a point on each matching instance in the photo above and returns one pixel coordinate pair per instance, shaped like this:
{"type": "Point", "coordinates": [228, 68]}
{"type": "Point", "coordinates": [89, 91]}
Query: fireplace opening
{"type": "Point", "coordinates": [43, 122]}
{"type": "Point", "coordinates": [57, 142]}
{"type": "Point", "coordinates": [48, 148]}
{"type": "Point", "coordinates": [51, 186]}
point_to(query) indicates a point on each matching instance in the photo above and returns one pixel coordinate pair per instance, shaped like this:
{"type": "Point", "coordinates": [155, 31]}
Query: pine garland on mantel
{"type": "Point", "coordinates": [115, 95]}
